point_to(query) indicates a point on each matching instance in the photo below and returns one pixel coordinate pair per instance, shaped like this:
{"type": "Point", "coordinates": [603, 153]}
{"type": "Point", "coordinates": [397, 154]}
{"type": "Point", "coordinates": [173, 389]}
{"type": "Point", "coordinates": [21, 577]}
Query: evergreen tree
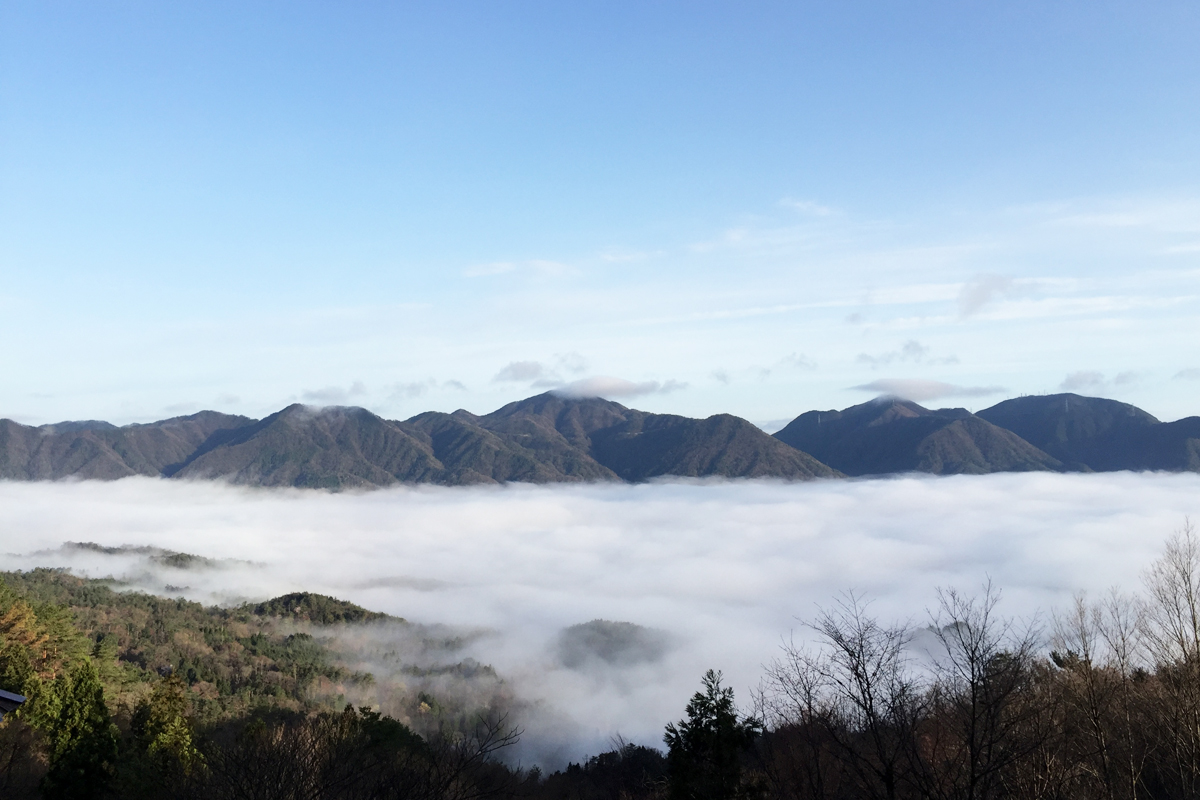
{"type": "Point", "coordinates": [161, 750]}
{"type": "Point", "coordinates": [162, 729]}
{"type": "Point", "coordinates": [83, 739]}
{"type": "Point", "coordinates": [705, 751]}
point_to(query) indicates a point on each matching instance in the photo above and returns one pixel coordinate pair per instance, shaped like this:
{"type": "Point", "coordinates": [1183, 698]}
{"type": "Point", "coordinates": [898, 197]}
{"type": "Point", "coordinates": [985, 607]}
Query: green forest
{"type": "Point", "coordinates": [130, 695]}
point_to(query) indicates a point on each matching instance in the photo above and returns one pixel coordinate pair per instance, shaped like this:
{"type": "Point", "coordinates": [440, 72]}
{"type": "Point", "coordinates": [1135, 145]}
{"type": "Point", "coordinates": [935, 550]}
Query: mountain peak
{"type": "Point", "coordinates": [554, 403]}
{"type": "Point", "coordinates": [1087, 431]}
{"type": "Point", "coordinates": [889, 434]}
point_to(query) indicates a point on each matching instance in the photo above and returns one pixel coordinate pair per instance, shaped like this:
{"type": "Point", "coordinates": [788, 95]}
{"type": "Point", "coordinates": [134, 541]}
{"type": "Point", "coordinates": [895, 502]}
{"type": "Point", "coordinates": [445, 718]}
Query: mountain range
{"type": "Point", "coordinates": [549, 438]}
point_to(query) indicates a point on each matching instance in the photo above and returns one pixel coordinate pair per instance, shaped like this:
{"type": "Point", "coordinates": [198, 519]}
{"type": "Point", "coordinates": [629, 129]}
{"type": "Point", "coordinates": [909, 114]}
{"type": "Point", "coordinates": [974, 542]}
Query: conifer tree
{"type": "Point", "coordinates": [705, 751]}
{"type": "Point", "coordinates": [83, 738]}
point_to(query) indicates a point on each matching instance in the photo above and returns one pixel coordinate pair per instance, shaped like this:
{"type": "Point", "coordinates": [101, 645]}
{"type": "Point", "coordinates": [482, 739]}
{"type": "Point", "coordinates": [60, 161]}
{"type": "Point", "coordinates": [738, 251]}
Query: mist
{"type": "Point", "coordinates": [600, 606]}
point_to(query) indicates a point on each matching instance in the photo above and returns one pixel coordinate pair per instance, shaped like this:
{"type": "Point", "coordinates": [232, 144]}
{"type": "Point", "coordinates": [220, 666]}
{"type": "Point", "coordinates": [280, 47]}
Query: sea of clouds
{"type": "Point", "coordinates": [710, 574]}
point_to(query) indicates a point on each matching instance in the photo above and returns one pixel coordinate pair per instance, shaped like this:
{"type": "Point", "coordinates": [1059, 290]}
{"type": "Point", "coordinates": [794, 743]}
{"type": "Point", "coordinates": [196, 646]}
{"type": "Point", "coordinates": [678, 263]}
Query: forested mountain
{"type": "Point", "coordinates": [636, 446]}
{"type": "Point", "coordinates": [1098, 434]}
{"type": "Point", "coordinates": [892, 435]}
{"type": "Point", "coordinates": [543, 439]}
{"type": "Point", "coordinates": [99, 450]}
{"type": "Point", "coordinates": [552, 439]}
{"type": "Point", "coordinates": [326, 448]}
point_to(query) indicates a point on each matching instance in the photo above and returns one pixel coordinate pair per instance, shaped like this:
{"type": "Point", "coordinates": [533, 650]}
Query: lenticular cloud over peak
{"type": "Point", "coordinates": [602, 605]}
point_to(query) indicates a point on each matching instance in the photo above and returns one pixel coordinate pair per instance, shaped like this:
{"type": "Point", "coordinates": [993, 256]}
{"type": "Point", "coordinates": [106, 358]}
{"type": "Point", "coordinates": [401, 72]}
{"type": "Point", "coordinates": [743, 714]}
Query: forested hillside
{"type": "Point", "coordinates": [134, 696]}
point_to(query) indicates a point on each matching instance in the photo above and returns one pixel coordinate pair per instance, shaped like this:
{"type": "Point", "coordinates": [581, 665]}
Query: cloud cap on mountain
{"type": "Point", "coordinates": [918, 390]}
{"type": "Point", "coordinates": [608, 387]}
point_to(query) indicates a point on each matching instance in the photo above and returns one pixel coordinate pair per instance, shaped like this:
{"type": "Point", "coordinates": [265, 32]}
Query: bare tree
{"type": "Point", "coordinates": [853, 702]}
{"type": "Point", "coordinates": [793, 703]}
{"type": "Point", "coordinates": [1090, 692]}
{"type": "Point", "coordinates": [982, 668]}
{"type": "Point", "coordinates": [1120, 626]}
{"type": "Point", "coordinates": [1171, 631]}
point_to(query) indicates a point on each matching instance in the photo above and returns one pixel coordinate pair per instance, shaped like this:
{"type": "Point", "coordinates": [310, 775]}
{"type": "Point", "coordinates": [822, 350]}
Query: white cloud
{"type": "Point", "coordinates": [1189, 374]}
{"type": "Point", "coordinates": [335, 395]}
{"type": "Point", "coordinates": [1127, 378]}
{"type": "Point", "coordinates": [980, 291]}
{"type": "Point", "coordinates": [911, 351]}
{"type": "Point", "coordinates": [724, 568]}
{"type": "Point", "coordinates": [181, 408]}
{"type": "Point", "coordinates": [540, 376]}
{"type": "Point", "coordinates": [413, 389]}
{"type": "Point", "coordinates": [407, 391]}
{"type": "Point", "coordinates": [608, 386]}
{"type": "Point", "coordinates": [921, 390]}
{"type": "Point", "coordinates": [1083, 380]}
{"type": "Point", "coordinates": [1093, 381]}
{"type": "Point", "coordinates": [797, 361]}
{"type": "Point", "coordinates": [519, 371]}
{"type": "Point", "coordinates": [571, 362]}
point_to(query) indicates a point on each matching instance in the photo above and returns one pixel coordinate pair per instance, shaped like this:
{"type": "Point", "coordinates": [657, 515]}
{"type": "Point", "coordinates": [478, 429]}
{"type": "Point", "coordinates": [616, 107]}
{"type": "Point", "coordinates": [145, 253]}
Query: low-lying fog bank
{"type": "Point", "coordinates": [709, 574]}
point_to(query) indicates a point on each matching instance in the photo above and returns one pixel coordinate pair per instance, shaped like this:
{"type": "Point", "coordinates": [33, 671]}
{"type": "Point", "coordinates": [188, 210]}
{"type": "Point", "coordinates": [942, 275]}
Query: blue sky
{"type": "Point", "coordinates": [691, 207]}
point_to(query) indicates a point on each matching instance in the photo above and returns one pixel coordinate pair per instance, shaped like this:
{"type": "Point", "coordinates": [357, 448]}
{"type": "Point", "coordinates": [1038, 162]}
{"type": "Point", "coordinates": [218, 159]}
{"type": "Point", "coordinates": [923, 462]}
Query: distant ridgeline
{"type": "Point", "coordinates": [549, 439]}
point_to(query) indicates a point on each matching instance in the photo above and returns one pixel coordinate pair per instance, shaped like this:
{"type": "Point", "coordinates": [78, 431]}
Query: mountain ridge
{"type": "Point", "coordinates": [549, 438]}
{"type": "Point", "coordinates": [890, 435]}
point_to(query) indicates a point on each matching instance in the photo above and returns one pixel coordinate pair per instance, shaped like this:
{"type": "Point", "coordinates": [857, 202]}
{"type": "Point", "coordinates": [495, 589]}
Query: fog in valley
{"type": "Point", "coordinates": [599, 607]}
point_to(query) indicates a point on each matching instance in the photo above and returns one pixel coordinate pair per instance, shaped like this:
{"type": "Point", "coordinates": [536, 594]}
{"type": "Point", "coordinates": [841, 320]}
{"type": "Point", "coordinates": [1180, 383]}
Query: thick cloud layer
{"type": "Point", "coordinates": [714, 573]}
